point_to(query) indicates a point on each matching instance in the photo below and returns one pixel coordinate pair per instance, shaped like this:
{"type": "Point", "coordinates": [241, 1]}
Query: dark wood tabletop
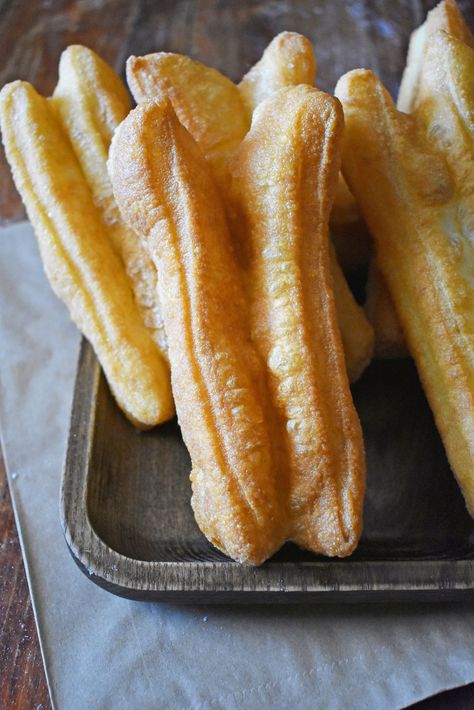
{"type": "Point", "coordinates": [32, 35]}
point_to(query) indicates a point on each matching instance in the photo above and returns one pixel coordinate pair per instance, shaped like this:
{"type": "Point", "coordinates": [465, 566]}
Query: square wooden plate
{"type": "Point", "coordinates": [129, 525]}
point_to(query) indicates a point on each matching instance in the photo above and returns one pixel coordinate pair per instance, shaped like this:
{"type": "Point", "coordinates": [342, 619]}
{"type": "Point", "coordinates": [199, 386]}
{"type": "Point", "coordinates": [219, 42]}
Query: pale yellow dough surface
{"type": "Point", "coordinates": [91, 102]}
{"type": "Point", "coordinates": [78, 258]}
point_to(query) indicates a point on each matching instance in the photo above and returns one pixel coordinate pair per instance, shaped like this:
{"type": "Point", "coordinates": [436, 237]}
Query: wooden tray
{"type": "Point", "coordinates": [130, 528]}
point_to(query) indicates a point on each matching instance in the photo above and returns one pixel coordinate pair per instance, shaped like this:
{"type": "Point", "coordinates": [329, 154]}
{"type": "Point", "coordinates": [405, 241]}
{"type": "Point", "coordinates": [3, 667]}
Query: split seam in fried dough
{"type": "Point", "coordinates": [80, 263]}
{"type": "Point", "coordinates": [287, 61]}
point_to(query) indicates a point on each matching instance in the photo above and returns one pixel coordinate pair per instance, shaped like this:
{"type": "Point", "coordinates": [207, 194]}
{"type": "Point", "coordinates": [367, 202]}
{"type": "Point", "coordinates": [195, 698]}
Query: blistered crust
{"type": "Point", "coordinates": [444, 17]}
{"type": "Point", "coordinates": [165, 192]}
{"type": "Point", "coordinates": [289, 61]}
{"type": "Point", "coordinates": [284, 178]}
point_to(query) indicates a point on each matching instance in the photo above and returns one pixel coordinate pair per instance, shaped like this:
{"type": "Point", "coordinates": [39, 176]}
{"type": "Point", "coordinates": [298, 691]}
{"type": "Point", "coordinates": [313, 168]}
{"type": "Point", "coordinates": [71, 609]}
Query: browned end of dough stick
{"type": "Point", "coordinates": [91, 100]}
{"type": "Point", "coordinates": [206, 102]}
{"type": "Point", "coordinates": [445, 16]}
{"type": "Point", "coordinates": [287, 61]}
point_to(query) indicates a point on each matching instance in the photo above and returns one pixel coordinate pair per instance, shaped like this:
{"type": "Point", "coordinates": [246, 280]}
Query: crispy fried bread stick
{"type": "Point", "coordinates": [165, 191]}
{"type": "Point", "coordinates": [206, 102]}
{"type": "Point", "coordinates": [91, 101]}
{"type": "Point", "coordinates": [288, 61]}
{"type": "Point", "coordinates": [284, 178]}
{"type": "Point", "coordinates": [389, 340]}
{"type": "Point", "coordinates": [445, 16]}
{"type": "Point", "coordinates": [79, 261]}
{"type": "Point", "coordinates": [419, 213]}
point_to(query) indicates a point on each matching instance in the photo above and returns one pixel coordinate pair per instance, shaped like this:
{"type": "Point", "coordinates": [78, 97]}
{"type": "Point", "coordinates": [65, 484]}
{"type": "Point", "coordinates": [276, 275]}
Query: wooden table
{"type": "Point", "coordinates": [229, 34]}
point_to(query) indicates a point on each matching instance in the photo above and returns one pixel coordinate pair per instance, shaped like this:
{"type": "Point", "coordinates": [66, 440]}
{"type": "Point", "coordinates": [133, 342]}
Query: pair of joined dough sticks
{"type": "Point", "coordinates": [263, 398]}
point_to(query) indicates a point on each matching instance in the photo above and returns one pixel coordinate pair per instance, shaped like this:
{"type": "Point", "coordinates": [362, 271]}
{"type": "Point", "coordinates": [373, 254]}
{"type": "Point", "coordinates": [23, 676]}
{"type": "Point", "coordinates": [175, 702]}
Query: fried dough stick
{"type": "Point", "coordinates": [445, 108]}
{"type": "Point", "coordinates": [206, 102]}
{"type": "Point", "coordinates": [165, 191]}
{"type": "Point", "coordinates": [389, 340]}
{"type": "Point", "coordinates": [445, 16]}
{"type": "Point", "coordinates": [209, 106]}
{"type": "Point", "coordinates": [91, 101]}
{"type": "Point", "coordinates": [79, 261]}
{"type": "Point", "coordinates": [287, 61]}
{"type": "Point", "coordinates": [419, 219]}
{"type": "Point", "coordinates": [284, 178]}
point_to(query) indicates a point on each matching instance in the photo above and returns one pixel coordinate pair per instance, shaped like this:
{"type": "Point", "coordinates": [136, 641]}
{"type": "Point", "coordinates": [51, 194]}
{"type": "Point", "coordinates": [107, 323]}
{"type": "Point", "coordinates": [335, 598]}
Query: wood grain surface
{"type": "Point", "coordinates": [23, 683]}
{"type": "Point", "coordinates": [128, 523]}
{"type": "Point", "coordinates": [227, 33]}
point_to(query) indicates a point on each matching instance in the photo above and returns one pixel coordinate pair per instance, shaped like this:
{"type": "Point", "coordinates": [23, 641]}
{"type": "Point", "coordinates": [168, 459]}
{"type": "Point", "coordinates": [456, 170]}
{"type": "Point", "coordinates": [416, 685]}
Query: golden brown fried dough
{"type": "Point", "coordinates": [287, 61]}
{"type": "Point", "coordinates": [91, 101]}
{"type": "Point", "coordinates": [445, 108]}
{"type": "Point", "coordinates": [284, 178]}
{"type": "Point", "coordinates": [445, 16]}
{"type": "Point", "coordinates": [206, 102]}
{"type": "Point", "coordinates": [165, 191]}
{"type": "Point", "coordinates": [419, 217]}
{"type": "Point", "coordinates": [79, 261]}
{"type": "Point", "coordinates": [389, 338]}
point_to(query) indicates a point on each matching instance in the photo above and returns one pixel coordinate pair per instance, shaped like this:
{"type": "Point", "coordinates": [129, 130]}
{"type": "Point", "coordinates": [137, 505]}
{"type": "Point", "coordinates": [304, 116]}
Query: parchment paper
{"type": "Point", "coordinates": [104, 652]}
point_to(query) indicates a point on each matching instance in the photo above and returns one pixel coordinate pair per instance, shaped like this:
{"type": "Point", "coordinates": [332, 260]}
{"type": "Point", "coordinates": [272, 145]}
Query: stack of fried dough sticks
{"type": "Point", "coordinates": [189, 238]}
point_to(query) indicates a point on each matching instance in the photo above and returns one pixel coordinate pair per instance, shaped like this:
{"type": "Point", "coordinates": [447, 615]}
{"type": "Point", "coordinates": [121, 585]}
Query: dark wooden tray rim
{"type": "Point", "coordinates": [333, 581]}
